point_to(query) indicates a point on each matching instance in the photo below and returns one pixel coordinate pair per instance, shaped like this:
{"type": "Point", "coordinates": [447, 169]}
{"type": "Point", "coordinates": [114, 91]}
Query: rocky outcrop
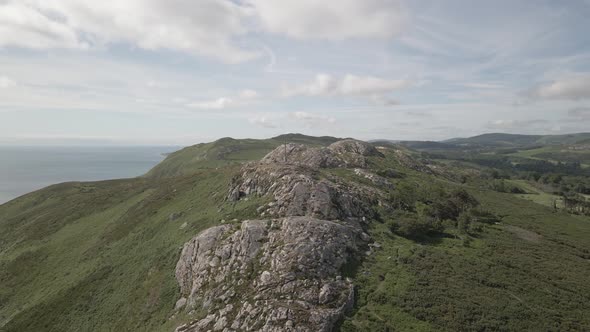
{"type": "Point", "coordinates": [301, 191]}
{"type": "Point", "coordinates": [376, 179]}
{"type": "Point", "coordinates": [298, 187]}
{"type": "Point", "coordinates": [269, 275]}
{"type": "Point", "coordinates": [345, 153]}
{"type": "Point", "coordinates": [284, 271]}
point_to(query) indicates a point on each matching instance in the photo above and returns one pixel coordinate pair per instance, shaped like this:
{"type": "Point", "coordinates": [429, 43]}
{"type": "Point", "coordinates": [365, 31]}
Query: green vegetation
{"type": "Point", "coordinates": [481, 244]}
{"type": "Point", "coordinates": [512, 140]}
{"type": "Point", "coordinates": [227, 151]}
{"type": "Point", "coordinates": [501, 264]}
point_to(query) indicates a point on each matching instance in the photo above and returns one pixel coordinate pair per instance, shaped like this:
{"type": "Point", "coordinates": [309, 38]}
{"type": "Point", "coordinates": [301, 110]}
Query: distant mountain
{"type": "Point", "coordinates": [515, 140]}
{"type": "Point", "coordinates": [431, 145]}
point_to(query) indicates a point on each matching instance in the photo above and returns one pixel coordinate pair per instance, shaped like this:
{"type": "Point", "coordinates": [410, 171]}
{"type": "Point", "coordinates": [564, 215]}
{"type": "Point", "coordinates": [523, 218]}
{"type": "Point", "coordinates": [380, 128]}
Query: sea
{"type": "Point", "coordinates": [26, 169]}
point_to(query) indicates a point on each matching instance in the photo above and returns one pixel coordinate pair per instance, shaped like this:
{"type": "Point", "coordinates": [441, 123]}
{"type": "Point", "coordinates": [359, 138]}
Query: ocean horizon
{"type": "Point", "coordinates": [24, 169]}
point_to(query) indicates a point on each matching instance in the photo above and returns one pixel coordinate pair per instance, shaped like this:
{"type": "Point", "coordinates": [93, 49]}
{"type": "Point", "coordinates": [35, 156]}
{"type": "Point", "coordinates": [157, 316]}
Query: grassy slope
{"type": "Point", "coordinates": [499, 139]}
{"type": "Point", "coordinates": [537, 195]}
{"type": "Point", "coordinates": [101, 256]}
{"type": "Point", "coordinates": [227, 151]}
{"type": "Point", "coordinates": [505, 279]}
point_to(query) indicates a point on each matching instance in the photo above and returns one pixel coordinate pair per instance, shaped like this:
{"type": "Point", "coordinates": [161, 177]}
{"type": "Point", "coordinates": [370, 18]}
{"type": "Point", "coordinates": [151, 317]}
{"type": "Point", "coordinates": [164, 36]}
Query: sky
{"type": "Point", "coordinates": [180, 72]}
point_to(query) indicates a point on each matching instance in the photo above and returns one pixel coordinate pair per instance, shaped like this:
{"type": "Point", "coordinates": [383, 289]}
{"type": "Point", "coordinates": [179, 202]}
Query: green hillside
{"type": "Point", "coordinates": [455, 254]}
{"type": "Point", "coordinates": [514, 140]}
{"type": "Point", "coordinates": [227, 151]}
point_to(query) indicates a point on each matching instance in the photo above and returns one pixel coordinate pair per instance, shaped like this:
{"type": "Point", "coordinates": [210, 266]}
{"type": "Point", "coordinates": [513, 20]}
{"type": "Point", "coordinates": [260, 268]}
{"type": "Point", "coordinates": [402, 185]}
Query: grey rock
{"type": "Point", "coordinates": [283, 273]}
{"type": "Point", "coordinates": [345, 153]}
{"type": "Point", "coordinates": [297, 259]}
{"type": "Point", "coordinates": [300, 191]}
{"type": "Point", "coordinates": [180, 304]}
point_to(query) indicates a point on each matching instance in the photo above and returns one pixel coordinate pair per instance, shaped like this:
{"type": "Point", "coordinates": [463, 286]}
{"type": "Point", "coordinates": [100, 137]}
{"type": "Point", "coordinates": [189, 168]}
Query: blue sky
{"type": "Point", "coordinates": [188, 71]}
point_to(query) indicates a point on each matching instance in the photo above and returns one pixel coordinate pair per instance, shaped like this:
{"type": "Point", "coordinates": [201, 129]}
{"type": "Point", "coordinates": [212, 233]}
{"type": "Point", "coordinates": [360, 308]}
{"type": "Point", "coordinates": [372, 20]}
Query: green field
{"type": "Point", "coordinates": [537, 195]}
{"type": "Point", "coordinates": [556, 154]}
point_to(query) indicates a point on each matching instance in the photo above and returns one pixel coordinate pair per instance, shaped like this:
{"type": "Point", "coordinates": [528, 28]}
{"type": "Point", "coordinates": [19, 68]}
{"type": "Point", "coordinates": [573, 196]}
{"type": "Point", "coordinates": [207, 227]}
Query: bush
{"type": "Point", "coordinates": [483, 216]}
{"type": "Point", "coordinates": [503, 187]}
{"type": "Point", "coordinates": [464, 223]}
{"type": "Point", "coordinates": [404, 197]}
{"type": "Point", "coordinates": [415, 226]}
{"type": "Point", "coordinates": [390, 173]}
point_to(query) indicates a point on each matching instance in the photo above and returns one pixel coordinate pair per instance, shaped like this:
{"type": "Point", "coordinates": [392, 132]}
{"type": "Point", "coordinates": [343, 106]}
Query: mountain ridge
{"type": "Point", "coordinates": [105, 255]}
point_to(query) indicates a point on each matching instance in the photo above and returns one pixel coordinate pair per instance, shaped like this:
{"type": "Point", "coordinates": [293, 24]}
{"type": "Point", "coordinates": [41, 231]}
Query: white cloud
{"type": "Point", "coordinates": [27, 24]}
{"type": "Point", "coordinates": [248, 94]}
{"type": "Point", "coordinates": [244, 97]}
{"type": "Point", "coordinates": [211, 28]}
{"type": "Point", "coordinates": [579, 114]}
{"type": "Point", "coordinates": [486, 86]}
{"type": "Point", "coordinates": [204, 27]}
{"type": "Point", "coordinates": [6, 82]}
{"type": "Point", "coordinates": [573, 87]}
{"type": "Point", "coordinates": [312, 120]}
{"type": "Point", "coordinates": [518, 125]}
{"type": "Point", "coordinates": [349, 85]}
{"type": "Point", "coordinates": [262, 121]}
{"type": "Point", "coordinates": [334, 20]}
{"type": "Point", "coordinates": [216, 104]}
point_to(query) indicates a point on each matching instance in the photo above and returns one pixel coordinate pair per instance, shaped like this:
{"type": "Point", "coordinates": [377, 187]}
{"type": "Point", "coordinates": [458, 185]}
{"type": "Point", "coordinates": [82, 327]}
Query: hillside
{"type": "Point", "coordinates": [226, 151]}
{"type": "Point", "coordinates": [341, 236]}
{"type": "Point", "coordinates": [514, 140]}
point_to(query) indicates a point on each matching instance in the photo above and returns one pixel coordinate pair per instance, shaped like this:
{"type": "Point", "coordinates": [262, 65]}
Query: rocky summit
{"type": "Point", "coordinates": [283, 272]}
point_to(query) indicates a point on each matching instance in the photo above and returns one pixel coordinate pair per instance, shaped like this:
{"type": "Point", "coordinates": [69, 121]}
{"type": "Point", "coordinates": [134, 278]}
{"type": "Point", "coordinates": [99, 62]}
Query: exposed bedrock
{"type": "Point", "coordinates": [283, 272]}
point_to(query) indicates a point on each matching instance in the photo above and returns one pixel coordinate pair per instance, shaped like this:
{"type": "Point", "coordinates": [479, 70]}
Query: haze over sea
{"type": "Point", "coordinates": [25, 169]}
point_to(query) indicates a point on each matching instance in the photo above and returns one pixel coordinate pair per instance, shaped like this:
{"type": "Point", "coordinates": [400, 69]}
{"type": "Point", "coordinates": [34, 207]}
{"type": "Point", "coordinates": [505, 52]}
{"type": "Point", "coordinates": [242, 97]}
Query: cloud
{"type": "Point", "coordinates": [216, 104]}
{"type": "Point", "coordinates": [333, 20]}
{"type": "Point", "coordinates": [262, 121]}
{"type": "Point", "coordinates": [491, 86]}
{"type": "Point", "coordinates": [349, 85]}
{"type": "Point", "coordinates": [579, 114]}
{"type": "Point", "coordinates": [312, 120]}
{"type": "Point", "coordinates": [6, 82]}
{"type": "Point", "coordinates": [248, 94]}
{"type": "Point", "coordinates": [155, 84]}
{"type": "Point", "coordinates": [204, 27]}
{"type": "Point", "coordinates": [211, 28]}
{"type": "Point", "coordinates": [574, 87]}
{"type": "Point", "coordinates": [28, 24]}
{"type": "Point", "coordinates": [242, 98]}
{"type": "Point", "coordinates": [515, 124]}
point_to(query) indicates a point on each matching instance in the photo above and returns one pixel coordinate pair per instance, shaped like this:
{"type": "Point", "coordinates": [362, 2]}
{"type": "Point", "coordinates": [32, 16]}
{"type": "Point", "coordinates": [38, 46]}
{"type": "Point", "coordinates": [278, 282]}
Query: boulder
{"type": "Point", "coordinates": [280, 274]}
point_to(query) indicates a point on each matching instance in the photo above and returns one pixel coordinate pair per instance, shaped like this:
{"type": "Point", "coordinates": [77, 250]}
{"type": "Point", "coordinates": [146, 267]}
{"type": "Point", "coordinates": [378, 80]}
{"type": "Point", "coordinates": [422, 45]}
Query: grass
{"type": "Point", "coordinates": [100, 256]}
{"type": "Point", "coordinates": [110, 266]}
{"type": "Point", "coordinates": [537, 195]}
{"type": "Point", "coordinates": [498, 281]}
{"type": "Point", "coordinates": [227, 151]}
{"type": "Point", "coordinates": [556, 154]}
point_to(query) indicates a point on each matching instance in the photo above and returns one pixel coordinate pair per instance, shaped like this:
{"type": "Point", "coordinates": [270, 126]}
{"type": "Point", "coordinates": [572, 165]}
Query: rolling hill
{"type": "Point", "coordinates": [437, 247]}
{"type": "Point", "coordinates": [514, 140]}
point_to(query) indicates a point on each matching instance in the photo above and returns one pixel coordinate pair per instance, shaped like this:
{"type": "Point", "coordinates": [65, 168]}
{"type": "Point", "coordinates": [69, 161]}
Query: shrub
{"type": "Point", "coordinates": [483, 216]}
{"type": "Point", "coordinates": [390, 173]}
{"type": "Point", "coordinates": [415, 226]}
{"type": "Point", "coordinates": [464, 222]}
